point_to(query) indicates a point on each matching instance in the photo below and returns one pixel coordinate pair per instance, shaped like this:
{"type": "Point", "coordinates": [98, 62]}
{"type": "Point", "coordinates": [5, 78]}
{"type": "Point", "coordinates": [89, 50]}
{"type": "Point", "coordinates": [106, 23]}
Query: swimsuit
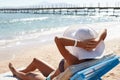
{"type": "Point", "coordinates": [61, 66]}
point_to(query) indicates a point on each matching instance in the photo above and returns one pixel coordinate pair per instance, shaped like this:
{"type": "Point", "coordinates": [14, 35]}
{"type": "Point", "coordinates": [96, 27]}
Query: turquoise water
{"type": "Point", "coordinates": [18, 26]}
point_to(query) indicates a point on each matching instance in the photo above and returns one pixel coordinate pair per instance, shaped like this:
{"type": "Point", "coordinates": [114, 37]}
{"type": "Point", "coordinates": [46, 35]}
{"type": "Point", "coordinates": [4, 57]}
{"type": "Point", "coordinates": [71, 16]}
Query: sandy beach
{"type": "Point", "coordinates": [50, 54]}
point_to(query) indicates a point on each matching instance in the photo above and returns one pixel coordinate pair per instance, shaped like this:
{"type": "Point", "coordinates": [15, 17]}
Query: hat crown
{"type": "Point", "coordinates": [84, 33]}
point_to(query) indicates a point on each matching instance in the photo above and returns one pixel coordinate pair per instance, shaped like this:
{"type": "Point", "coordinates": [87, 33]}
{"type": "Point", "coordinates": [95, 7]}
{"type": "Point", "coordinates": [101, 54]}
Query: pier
{"type": "Point", "coordinates": [92, 11]}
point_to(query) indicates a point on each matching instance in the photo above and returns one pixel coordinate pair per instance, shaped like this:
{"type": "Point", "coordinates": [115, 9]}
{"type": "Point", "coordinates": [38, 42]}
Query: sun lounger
{"type": "Point", "coordinates": [97, 71]}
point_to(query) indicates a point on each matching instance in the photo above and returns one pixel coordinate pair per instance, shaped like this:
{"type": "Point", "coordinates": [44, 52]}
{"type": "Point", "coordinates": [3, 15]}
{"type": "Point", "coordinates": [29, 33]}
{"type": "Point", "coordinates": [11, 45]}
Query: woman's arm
{"type": "Point", "coordinates": [61, 43]}
{"type": "Point", "coordinates": [102, 35]}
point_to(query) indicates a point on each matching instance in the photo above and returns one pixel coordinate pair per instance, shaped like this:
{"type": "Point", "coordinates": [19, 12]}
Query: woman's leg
{"type": "Point", "coordinates": [26, 76]}
{"type": "Point", "coordinates": [43, 67]}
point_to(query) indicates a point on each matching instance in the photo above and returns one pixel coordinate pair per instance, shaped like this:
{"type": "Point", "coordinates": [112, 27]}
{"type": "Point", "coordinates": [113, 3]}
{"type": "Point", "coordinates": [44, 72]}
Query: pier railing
{"type": "Point", "coordinates": [112, 11]}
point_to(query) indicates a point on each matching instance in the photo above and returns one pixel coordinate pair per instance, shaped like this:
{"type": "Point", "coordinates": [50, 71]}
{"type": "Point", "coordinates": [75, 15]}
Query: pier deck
{"type": "Point", "coordinates": [114, 11]}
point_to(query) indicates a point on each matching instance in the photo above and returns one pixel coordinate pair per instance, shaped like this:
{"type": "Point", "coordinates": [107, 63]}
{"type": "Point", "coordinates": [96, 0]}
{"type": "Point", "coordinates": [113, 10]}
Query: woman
{"type": "Point", "coordinates": [47, 72]}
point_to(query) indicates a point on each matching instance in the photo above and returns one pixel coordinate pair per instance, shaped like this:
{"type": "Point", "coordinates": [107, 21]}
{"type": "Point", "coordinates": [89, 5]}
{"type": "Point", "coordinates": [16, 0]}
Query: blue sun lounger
{"type": "Point", "coordinates": [96, 71]}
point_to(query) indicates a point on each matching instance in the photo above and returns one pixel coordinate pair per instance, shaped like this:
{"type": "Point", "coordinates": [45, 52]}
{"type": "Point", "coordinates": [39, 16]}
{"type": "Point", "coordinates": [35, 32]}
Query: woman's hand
{"type": "Point", "coordinates": [90, 44]}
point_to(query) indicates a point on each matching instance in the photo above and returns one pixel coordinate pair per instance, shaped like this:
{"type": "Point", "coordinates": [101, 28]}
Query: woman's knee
{"type": "Point", "coordinates": [36, 60]}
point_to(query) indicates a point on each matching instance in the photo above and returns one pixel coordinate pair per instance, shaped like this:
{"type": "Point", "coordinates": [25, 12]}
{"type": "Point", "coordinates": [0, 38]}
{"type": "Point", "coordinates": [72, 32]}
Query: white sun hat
{"type": "Point", "coordinates": [84, 33]}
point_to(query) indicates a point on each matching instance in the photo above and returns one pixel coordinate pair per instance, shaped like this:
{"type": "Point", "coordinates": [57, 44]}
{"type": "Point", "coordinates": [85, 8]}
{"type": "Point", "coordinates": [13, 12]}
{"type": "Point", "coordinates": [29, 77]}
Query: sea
{"type": "Point", "coordinates": [16, 28]}
{"type": "Point", "coordinates": [19, 29]}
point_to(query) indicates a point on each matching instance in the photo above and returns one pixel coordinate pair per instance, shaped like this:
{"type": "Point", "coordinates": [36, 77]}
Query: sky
{"type": "Point", "coordinates": [19, 3]}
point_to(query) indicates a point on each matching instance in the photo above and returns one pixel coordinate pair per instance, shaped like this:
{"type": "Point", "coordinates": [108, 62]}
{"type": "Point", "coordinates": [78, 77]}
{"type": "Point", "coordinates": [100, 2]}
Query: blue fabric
{"type": "Point", "coordinates": [48, 78]}
{"type": "Point", "coordinates": [96, 71]}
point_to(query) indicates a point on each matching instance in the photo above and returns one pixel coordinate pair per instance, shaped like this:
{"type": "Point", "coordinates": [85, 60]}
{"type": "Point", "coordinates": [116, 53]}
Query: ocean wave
{"type": "Point", "coordinates": [23, 20]}
{"type": "Point", "coordinates": [28, 19]}
{"type": "Point", "coordinates": [41, 35]}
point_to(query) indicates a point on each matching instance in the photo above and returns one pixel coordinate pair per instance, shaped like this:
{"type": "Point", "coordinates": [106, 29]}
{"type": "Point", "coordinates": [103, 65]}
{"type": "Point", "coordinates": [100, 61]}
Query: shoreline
{"type": "Point", "coordinates": [47, 37]}
{"type": "Point", "coordinates": [10, 51]}
{"type": "Point", "coordinates": [52, 32]}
